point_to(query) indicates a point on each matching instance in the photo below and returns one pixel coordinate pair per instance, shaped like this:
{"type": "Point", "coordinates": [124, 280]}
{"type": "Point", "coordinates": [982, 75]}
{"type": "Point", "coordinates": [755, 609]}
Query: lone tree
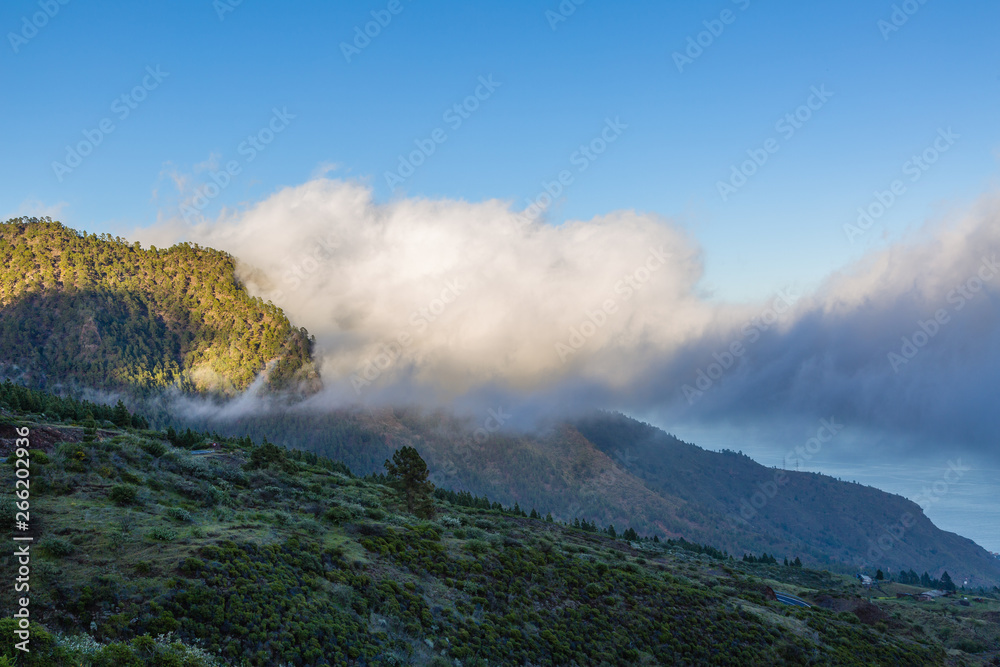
{"type": "Point", "coordinates": [89, 428]}
{"type": "Point", "coordinates": [408, 474]}
{"type": "Point", "coordinates": [121, 416]}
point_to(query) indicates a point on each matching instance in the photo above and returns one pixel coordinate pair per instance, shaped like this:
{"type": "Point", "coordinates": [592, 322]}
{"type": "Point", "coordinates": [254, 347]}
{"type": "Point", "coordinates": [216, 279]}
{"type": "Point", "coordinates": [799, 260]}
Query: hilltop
{"type": "Point", "coordinates": [86, 311]}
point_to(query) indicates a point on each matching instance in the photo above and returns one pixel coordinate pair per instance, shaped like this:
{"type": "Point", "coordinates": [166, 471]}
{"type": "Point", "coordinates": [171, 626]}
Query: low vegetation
{"type": "Point", "coordinates": [242, 554]}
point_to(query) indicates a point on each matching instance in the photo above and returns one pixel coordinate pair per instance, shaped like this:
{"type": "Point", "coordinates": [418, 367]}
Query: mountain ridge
{"type": "Point", "coordinates": [75, 307]}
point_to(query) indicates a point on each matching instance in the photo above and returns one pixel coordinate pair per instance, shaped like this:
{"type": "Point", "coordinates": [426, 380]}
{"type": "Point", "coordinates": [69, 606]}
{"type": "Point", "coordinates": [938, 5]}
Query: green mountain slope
{"type": "Point", "coordinates": [614, 470]}
{"type": "Point", "coordinates": [146, 553]}
{"type": "Point", "coordinates": [95, 311]}
{"type": "Point", "coordinates": [786, 511]}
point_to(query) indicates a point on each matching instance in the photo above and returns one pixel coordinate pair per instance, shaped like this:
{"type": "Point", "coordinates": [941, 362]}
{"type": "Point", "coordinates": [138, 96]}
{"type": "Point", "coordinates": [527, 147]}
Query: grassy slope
{"type": "Point", "coordinates": [614, 470]}
{"type": "Point", "coordinates": [300, 563]}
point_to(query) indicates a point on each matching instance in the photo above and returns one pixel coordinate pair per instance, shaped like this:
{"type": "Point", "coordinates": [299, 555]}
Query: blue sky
{"type": "Point", "coordinates": [892, 92]}
{"type": "Point", "coordinates": [896, 80]}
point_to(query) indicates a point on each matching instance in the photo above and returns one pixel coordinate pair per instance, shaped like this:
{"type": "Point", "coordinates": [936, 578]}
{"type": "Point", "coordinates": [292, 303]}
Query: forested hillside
{"type": "Point", "coordinates": [99, 312]}
{"type": "Point", "coordinates": [610, 469]}
{"type": "Point", "coordinates": [149, 553]}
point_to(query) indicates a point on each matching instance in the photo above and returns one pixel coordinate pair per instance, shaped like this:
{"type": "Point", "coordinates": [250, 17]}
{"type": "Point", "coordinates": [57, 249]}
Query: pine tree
{"type": "Point", "coordinates": [89, 428]}
{"type": "Point", "coordinates": [121, 416]}
{"type": "Point", "coordinates": [408, 474]}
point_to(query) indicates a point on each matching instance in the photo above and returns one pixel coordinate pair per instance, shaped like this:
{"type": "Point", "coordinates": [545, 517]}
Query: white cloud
{"type": "Point", "coordinates": [478, 301]}
{"type": "Point", "coordinates": [38, 209]}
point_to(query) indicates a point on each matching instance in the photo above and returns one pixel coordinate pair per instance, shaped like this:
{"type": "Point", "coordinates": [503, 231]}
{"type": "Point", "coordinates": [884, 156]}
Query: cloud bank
{"type": "Point", "coordinates": [437, 301]}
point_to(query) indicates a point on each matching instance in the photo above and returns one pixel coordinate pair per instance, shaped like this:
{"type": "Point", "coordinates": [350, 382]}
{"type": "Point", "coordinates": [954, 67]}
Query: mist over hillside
{"type": "Point", "coordinates": [438, 302]}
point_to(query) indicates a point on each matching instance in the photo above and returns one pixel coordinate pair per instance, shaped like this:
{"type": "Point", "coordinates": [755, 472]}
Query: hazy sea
{"type": "Point", "coordinates": [968, 504]}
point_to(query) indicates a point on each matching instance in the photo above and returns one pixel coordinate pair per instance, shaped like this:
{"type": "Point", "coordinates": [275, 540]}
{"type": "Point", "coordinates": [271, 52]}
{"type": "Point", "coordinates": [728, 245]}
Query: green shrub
{"type": "Point", "coordinates": [337, 515]}
{"type": "Point", "coordinates": [476, 546]}
{"type": "Point", "coordinates": [154, 448]}
{"type": "Point", "coordinates": [281, 518]}
{"type": "Point", "coordinates": [971, 646]}
{"type": "Point", "coordinates": [180, 514]}
{"type": "Point", "coordinates": [75, 458]}
{"type": "Point", "coordinates": [58, 547]}
{"type": "Point", "coordinates": [192, 565]}
{"type": "Point", "coordinates": [312, 526]}
{"type": "Point", "coordinates": [162, 534]}
{"type": "Point", "coordinates": [123, 494]}
{"type": "Point", "coordinates": [43, 646]}
{"type": "Point", "coordinates": [129, 478]}
{"type": "Point", "coordinates": [117, 540]}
